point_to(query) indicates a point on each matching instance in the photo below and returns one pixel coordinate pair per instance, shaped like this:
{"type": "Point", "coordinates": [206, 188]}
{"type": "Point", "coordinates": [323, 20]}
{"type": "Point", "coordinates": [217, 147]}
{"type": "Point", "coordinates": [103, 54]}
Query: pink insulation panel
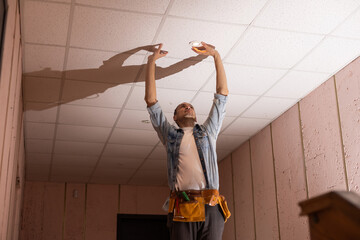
{"type": "Point", "coordinates": [266, 218]}
{"type": "Point", "coordinates": [226, 189]}
{"type": "Point", "coordinates": [243, 193]}
{"type": "Point", "coordinates": [348, 92]}
{"type": "Point", "coordinates": [290, 175]}
{"type": "Point", "coordinates": [101, 211]}
{"type": "Point", "coordinates": [143, 199]}
{"type": "Point", "coordinates": [322, 142]}
{"type": "Point", "coordinates": [74, 225]}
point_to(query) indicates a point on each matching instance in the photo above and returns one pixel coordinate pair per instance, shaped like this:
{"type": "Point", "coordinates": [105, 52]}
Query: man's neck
{"type": "Point", "coordinates": [187, 123]}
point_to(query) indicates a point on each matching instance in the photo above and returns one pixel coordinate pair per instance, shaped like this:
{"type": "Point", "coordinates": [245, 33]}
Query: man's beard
{"type": "Point", "coordinates": [189, 116]}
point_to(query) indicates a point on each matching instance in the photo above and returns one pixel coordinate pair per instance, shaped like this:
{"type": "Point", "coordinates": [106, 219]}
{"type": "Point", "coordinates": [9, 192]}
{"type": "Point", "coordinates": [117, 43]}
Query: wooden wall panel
{"type": "Point", "coordinates": [290, 175]}
{"type": "Point", "coordinates": [226, 189]}
{"type": "Point", "coordinates": [265, 205]}
{"type": "Point", "coordinates": [151, 199]}
{"type": "Point", "coordinates": [33, 211]}
{"type": "Point", "coordinates": [322, 141]}
{"type": "Point", "coordinates": [101, 211]}
{"type": "Point", "coordinates": [54, 203]}
{"type": "Point", "coordinates": [348, 92]}
{"type": "Point", "coordinates": [243, 193]}
{"type": "Point", "coordinates": [128, 196]}
{"type": "Point", "coordinates": [74, 226]}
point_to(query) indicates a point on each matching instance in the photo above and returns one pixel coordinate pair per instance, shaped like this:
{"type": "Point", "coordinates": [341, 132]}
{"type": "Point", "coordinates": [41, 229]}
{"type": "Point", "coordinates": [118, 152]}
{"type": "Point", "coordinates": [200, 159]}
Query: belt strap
{"type": "Point", "coordinates": [210, 195]}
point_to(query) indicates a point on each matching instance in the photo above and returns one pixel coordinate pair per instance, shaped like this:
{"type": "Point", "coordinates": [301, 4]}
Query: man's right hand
{"type": "Point", "coordinates": [158, 53]}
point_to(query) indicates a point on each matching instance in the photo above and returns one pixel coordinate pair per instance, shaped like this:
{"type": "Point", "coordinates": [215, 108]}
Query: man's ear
{"type": "Point", "coordinates": [175, 118]}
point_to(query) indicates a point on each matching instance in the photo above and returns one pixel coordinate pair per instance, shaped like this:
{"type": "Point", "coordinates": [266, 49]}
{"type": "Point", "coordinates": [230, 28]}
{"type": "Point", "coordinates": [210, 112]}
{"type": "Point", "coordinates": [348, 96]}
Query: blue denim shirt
{"type": "Point", "coordinates": [205, 138]}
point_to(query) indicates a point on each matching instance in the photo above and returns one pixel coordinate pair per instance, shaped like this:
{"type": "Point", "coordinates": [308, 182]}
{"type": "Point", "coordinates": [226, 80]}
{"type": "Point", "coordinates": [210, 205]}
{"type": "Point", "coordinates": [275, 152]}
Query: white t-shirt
{"type": "Point", "coordinates": [190, 175]}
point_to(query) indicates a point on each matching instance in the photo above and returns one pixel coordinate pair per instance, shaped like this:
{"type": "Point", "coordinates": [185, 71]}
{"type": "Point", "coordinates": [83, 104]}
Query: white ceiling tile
{"type": "Point", "coordinates": [40, 89]}
{"type": "Point", "coordinates": [269, 108]}
{"type": "Point", "coordinates": [159, 153]}
{"type": "Point", "coordinates": [39, 130]}
{"type": "Point", "coordinates": [59, 1]}
{"type": "Point", "coordinates": [44, 61]}
{"type": "Point", "coordinates": [135, 119]}
{"type": "Point", "coordinates": [82, 133]}
{"type": "Point", "coordinates": [236, 103]}
{"type": "Point", "coordinates": [233, 11]}
{"type": "Point", "coordinates": [72, 170]}
{"type": "Point", "coordinates": [38, 158]}
{"type": "Point", "coordinates": [38, 177]}
{"type": "Point", "coordinates": [149, 177]}
{"type": "Point", "coordinates": [118, 162]}
{"type": "Point", "coordinates": [222, 153]}
{"type": "Point", "coordinates": [272, 48]}
{"type": "Point", "coordinates": [246, 126]}
{"type": "Point", "coordinates": [78, 148]}
{"type": "Point", "coordinates": [37, 172]}
{"type": "Point", "coordinates": [202, 118]}
{"type": "Point", "coordinates": [158, 6]}
{"type": "Point", "coordinates": [122, 174]}
{"type": "Point", "coordinates": [40, 112]}
{"type": "Point", "coordinates": [74, 160]}
{"type": "Point", "coordinates": [122, 30]}
{"type": "Point", "coordinates": [126, 151]}
{"type": "Point", "coordinates": [247, 80]}
{"type": "Point", "coordinates": [69, 178]}
{"type": "Point", "coordinates": [297, 84]}
{"type": "Point", "coordinates": [177, 33]}
{"type": "Point", "coordinates": [349, 28]}
{"type": "Point", "coordinates": [320, 16]}
{"type": "Point", "coordinates": [88, 116]}
{"type": "Point", "coordinates": [45, 22]}
{"type": "Point", "coordinates": [105, 67]}
{"type": "Point", "coordinates": [134, 137]}
{"type": "Point", "coordinates": [168, 98]}
{"type": "Point", "coordinates": [180, 74]}
{"type": "Point", "coordinates": [95, 94]}
{"type": "Point", "coordinates": [38, 146]}
{"type": "Point", "coordinates": [331, 55]}
{"type": "Point", "coordinates": [230, 142]}
{"type": "Point", "coordinates": [154, 164]}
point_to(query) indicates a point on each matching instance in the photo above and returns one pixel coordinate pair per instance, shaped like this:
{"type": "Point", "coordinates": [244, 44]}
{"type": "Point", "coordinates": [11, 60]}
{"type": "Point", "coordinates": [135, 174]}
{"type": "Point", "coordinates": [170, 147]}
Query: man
{"type": "Point", "coordinates": [196, 210]}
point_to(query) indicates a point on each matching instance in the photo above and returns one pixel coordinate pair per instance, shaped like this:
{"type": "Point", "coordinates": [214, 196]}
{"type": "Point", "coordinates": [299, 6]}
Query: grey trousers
{"type": "Point", "coordinates": [211, 229]}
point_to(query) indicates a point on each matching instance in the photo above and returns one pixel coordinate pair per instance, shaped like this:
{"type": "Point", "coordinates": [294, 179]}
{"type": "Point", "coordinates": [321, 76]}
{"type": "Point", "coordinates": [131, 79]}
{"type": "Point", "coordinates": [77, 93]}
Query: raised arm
{"type": "Point", "coordinates": [221, 81]}
{"type": "Point", "coordinates": [150, 86]}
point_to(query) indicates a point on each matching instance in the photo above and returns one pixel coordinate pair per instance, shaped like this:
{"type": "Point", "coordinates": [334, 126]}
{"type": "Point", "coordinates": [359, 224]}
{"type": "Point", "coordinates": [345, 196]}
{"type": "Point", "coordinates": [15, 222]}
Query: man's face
{"type": "Point", "coordinates": [184, 110]}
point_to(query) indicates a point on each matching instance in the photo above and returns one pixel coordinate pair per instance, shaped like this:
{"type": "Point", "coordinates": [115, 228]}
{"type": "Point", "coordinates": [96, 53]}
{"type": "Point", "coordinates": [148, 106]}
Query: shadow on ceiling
{"type": "Point", "coordinates": [112, 72]}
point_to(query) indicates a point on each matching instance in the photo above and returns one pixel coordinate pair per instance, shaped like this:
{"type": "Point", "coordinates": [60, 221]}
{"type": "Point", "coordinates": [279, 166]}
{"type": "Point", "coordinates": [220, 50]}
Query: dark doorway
{"type": "Point", "coordinates": [139, 227]}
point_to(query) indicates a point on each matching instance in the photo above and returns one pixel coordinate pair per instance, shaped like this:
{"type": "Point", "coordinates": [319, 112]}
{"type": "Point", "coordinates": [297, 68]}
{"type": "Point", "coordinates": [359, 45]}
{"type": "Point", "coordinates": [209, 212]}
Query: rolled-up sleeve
{"type": "Point", "coordinates": [216, 116]}
{"type": "Point", "coordinates": [159, 121]}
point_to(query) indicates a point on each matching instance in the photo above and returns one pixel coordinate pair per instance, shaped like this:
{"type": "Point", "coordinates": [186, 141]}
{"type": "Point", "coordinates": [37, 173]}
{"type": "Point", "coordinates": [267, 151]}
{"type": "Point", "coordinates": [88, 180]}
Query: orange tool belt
{"type": "Point", "coordinates": [189, 205]}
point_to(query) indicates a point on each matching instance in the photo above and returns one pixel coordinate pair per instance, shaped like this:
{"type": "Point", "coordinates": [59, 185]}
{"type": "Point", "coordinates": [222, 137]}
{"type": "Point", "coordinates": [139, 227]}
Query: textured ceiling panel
{"type": "Point", "coordinates": [84, 67]}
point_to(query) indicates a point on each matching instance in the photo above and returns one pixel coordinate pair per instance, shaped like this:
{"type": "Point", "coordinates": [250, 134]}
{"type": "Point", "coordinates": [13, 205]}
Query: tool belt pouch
{"type": "Point", "coordinates": [224, 207]}
{"type": "Point", "coordinates": [188, 211]}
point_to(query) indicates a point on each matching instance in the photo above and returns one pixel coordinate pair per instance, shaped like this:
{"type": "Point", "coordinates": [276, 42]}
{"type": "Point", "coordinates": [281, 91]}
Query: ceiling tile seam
{"type": "Point", "coordinates": [286, 73]}
{"type": "Point", "coordinates": [112, 130]}
{"type": "Point", "coordinates": [342, 37]}
{"type": "Point", "coordinates": [241, 37]}
{"type": "Point", "coordinates": [143, 162]}
{"type": "Point", "coordinates": [253, 66]}
{"type": "Point", "coordinates": [208, 21]}
{"type": "Point", "coordinates": [118, 10]}
{"type": "Point", "coordinates": [70, 23]}
{"type": "Point", "coordinates": [46, 1]}
{"type": "Point", "coordinates": [86, 105]}
{"type": "Point", "coordinates": [345, 19]}
{"type": "Point", "coordinates": [289, 31]}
